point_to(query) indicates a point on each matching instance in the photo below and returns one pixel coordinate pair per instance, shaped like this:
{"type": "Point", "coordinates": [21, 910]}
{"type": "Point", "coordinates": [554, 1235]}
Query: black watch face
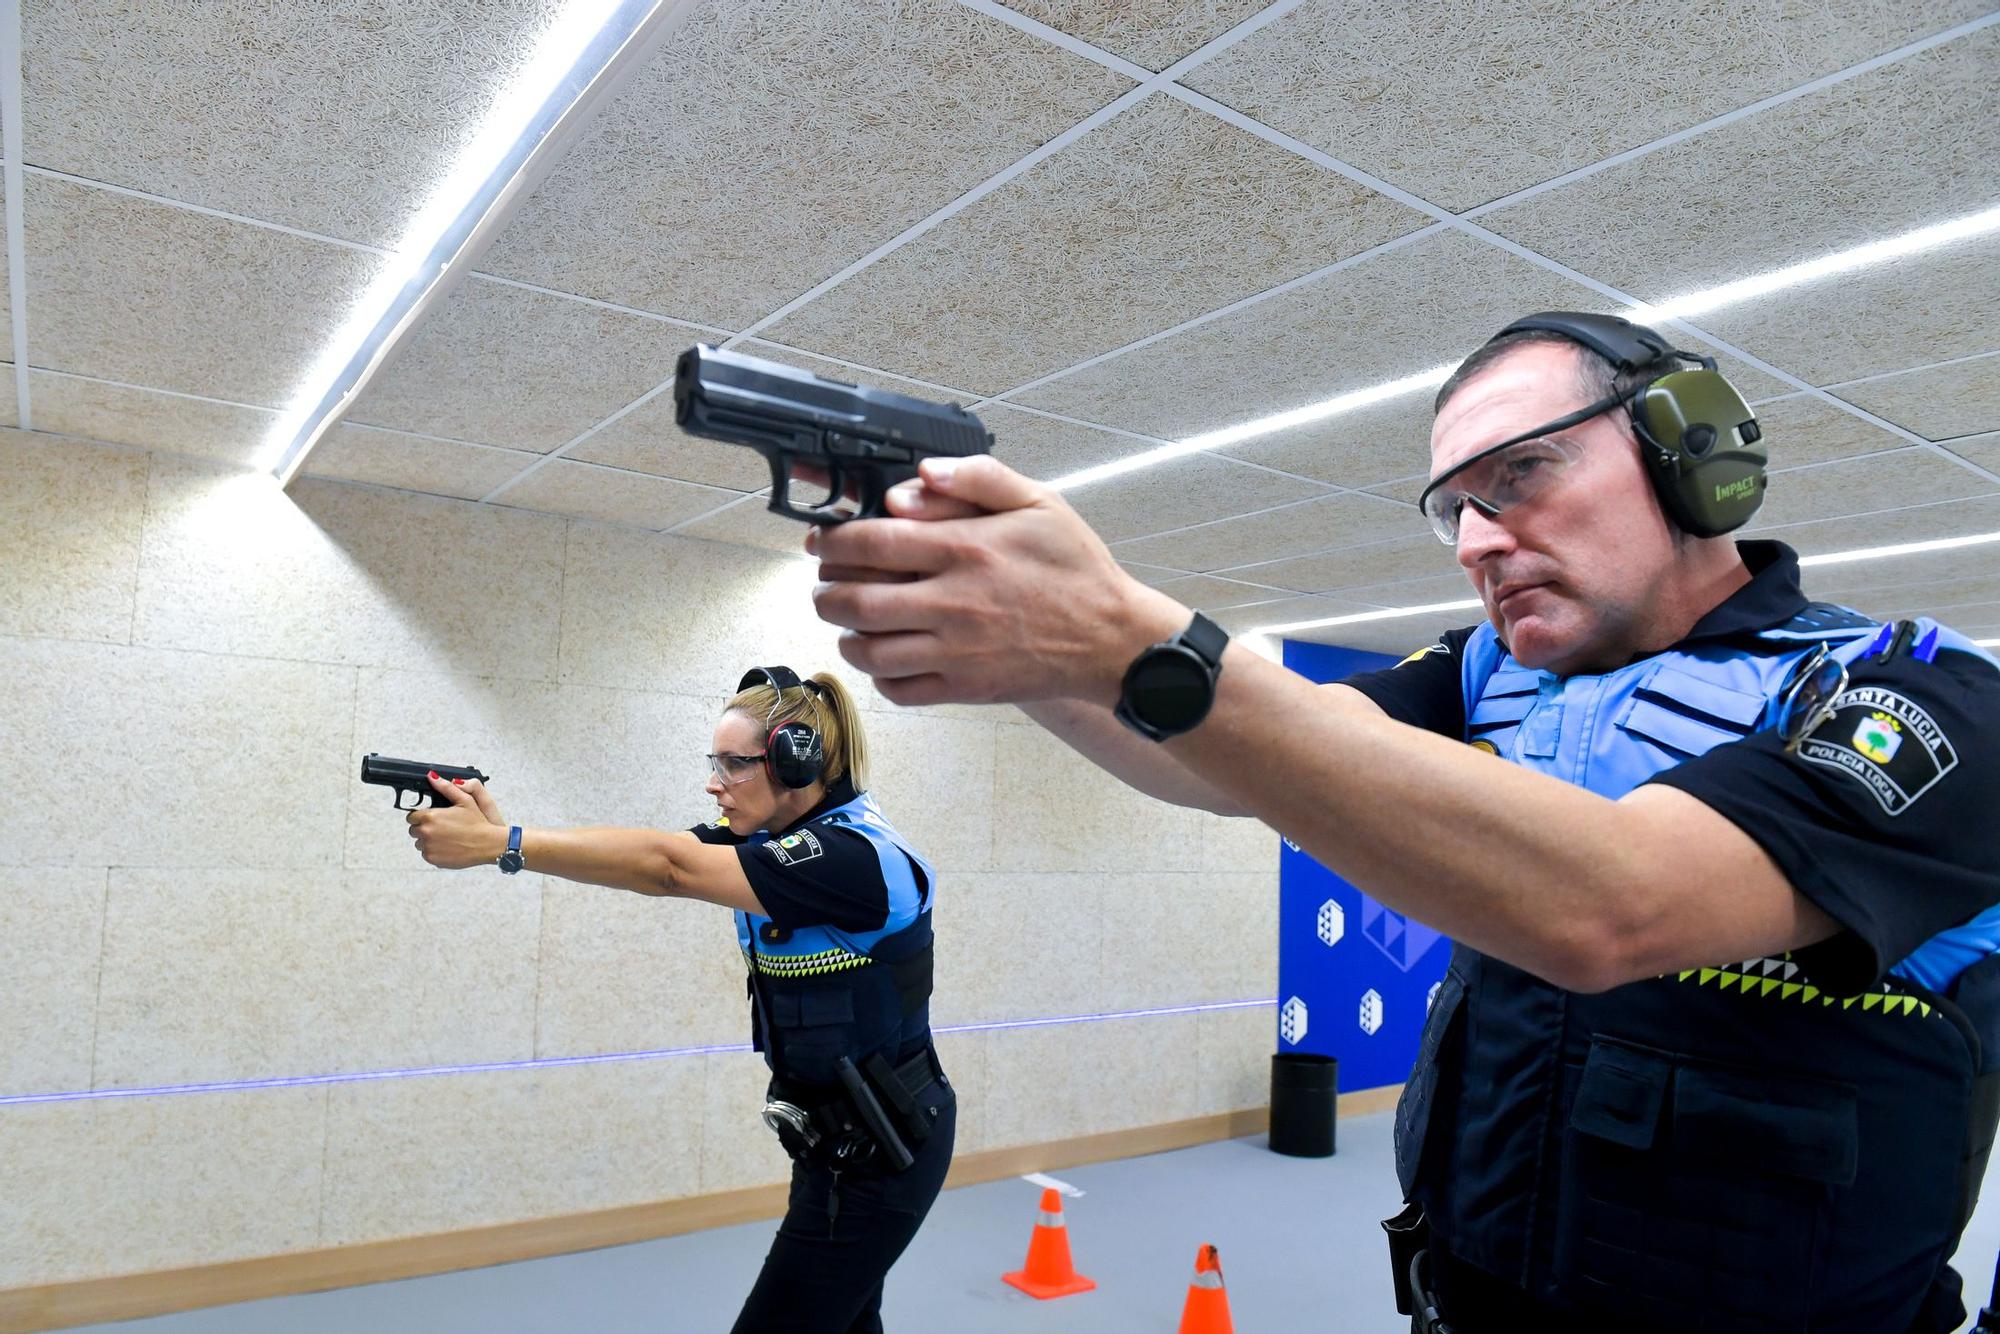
{"type": "Point", "coordinates": [1170, 689]}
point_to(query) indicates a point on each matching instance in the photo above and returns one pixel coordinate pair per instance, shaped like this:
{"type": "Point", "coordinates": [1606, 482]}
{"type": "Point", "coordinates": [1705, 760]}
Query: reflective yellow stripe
{"type": "Point", "coordinates": [808, 965]}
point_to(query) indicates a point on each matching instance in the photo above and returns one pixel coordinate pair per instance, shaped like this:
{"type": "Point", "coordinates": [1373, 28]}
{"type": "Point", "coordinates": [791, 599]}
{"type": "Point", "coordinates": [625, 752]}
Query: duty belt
{"type": "Point", "coordinates": [877, 1113]}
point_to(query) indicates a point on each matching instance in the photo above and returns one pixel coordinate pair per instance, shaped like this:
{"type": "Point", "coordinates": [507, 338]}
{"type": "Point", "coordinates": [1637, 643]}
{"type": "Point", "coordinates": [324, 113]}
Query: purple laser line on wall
{"type": "Point", "coordinates": [552, 1062]}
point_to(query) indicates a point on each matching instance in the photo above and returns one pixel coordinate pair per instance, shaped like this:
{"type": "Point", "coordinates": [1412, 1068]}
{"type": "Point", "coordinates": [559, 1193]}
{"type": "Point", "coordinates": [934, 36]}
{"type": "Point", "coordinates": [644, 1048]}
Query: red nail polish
{"type": "Point", "coordinates": [434, 773]}
{"type": "Point", "coordinates": [459, 781]}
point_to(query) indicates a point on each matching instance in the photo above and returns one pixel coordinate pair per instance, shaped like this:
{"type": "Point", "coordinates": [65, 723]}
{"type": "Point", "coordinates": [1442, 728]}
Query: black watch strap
{"type": "Point", "coordinates": [1207, 639]}
{"type": "Point", "coordinates": [1199, 649]}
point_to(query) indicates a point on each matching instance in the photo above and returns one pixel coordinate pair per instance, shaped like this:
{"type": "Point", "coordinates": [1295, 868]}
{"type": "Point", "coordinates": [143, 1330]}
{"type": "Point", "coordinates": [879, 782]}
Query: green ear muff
{"type": "Point", "coordinates": [1705, 450]}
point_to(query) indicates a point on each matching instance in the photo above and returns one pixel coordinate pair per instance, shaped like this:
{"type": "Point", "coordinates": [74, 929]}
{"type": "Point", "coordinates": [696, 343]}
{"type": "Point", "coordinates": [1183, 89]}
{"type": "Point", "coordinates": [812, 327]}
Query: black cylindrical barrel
{"type": "Point", "coordinates": [1304, 1089]}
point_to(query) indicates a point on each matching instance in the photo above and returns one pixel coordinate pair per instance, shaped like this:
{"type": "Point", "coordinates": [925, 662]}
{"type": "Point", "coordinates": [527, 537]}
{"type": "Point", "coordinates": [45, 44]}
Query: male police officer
{"type": "Point", "coordinates": [1677, 764]}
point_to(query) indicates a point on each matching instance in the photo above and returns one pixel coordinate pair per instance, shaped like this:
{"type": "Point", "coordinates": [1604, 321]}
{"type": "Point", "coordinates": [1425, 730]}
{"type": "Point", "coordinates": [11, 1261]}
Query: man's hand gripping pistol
{"type": "Point", "coordinates": [843, 445]}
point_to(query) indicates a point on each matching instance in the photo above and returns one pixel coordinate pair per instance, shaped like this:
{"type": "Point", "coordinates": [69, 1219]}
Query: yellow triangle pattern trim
{"type": "Point", "coordinates": [1751, 984]}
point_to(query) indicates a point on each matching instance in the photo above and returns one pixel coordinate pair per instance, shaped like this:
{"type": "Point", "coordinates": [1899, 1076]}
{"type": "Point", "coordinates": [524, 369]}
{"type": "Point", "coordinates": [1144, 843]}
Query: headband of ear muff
{"type": "Point", "coordinates": [794, 755]}
{"type": "Point", "coordinates": [1706, 448]}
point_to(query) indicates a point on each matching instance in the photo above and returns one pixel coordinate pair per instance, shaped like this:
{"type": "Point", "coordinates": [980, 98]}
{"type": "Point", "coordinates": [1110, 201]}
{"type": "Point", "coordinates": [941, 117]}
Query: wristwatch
{"type": "Point", "coordinates": [1170, 687]}
{"type": "Point", "coordinates": [510, 860]}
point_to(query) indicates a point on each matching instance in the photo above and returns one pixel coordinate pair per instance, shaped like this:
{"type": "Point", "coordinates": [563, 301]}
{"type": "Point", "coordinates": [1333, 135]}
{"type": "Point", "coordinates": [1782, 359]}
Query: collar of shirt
{"type": "Point", "coordinates": [836, 796]}
{"type": "Point", "coordinates": [1772, 596]}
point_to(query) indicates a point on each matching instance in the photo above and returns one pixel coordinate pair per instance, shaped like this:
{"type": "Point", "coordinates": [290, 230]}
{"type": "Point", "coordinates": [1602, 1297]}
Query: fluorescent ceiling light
{"type": "Point", "coordinates": [1825, 558]}
{"type": "Point", "coordinates": [1797, 275]}
{"type": "Point", "coordinates": [1680, 308]}
{"type": "Point", "coordinates": [1277, 421]}
{"type": "Point", "coordinates": [578, 60]}
{"type": "Point", "coordinates": [1901, 549]}
{"type": "Point", "coordinates": [1987, 643]}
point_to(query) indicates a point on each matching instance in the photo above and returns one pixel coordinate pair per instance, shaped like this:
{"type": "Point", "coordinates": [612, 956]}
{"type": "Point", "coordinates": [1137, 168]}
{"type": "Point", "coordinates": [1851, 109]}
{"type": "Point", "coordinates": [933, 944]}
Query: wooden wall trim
{"type": "Point", "coordinates": [129, 1296]}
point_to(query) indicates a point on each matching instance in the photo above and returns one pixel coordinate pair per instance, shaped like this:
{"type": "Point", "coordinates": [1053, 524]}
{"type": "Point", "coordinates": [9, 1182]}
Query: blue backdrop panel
{"type": "Point", "coordinates": [1354, 978]}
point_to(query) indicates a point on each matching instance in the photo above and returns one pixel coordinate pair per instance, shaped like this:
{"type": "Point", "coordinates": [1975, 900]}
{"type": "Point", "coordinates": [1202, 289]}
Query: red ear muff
{"type": "Point", "coordinates": [794, 755]}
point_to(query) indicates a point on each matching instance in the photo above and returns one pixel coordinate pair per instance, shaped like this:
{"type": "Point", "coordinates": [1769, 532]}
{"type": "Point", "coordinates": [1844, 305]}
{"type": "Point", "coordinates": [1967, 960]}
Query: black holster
{"type": "Point", "coordinates": [878, 1114]}
{"type": "Point", "coordinates": [1409, 1237]}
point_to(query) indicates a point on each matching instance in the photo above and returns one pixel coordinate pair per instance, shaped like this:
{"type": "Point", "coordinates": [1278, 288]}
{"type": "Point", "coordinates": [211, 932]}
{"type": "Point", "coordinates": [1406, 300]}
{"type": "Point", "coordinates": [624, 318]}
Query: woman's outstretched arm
{"type": "Point", "coordinates": [472, 832]}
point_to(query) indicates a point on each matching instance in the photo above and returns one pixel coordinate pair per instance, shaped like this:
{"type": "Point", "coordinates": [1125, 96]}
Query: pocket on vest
{"type": "Point", "coordinates": [1699, 1195]}
{"type": "Point", "coordinates": [1686, 715]}
{"type": "Point", "coordinates": [816, 1026]}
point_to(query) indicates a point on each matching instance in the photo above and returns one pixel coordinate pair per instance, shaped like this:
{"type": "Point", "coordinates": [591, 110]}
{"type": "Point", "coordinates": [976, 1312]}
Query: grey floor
{"type": "Point", "coordinates": [1300, 1251]}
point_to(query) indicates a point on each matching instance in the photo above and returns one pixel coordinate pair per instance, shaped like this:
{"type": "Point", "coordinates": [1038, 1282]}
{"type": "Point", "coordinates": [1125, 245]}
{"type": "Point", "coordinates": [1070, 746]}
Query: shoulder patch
{"type": "Point", "coordinates": [1439, 647]}
{"type": "Point", "coordinates": [1886, 742]}
{"type": "Point", "coordinates": [799, 846]}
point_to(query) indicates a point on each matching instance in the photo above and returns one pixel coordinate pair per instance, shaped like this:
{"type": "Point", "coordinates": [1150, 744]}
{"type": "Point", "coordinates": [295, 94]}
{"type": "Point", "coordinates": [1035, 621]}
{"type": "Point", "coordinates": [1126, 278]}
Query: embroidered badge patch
{"type": "Point", "coordinates": [795, 848]}
{"type": "Point", "coordinates": [1885, 741]}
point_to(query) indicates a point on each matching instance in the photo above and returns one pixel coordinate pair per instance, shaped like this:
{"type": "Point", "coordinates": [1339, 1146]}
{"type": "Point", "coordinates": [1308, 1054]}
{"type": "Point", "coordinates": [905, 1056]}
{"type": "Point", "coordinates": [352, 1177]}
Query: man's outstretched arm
{"type": "Point", "coordinates": [1094, 732]}
{"type": "Point", "coordinates": [1023, 603]}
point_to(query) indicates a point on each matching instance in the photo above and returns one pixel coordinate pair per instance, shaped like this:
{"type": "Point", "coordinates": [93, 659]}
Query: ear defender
{"type": "Point", "coordinates": [1704, 449]}
{"type": "Point", "coordinates": [794, 754]}
{"type": "Point", "coordinates": [1707, 450]}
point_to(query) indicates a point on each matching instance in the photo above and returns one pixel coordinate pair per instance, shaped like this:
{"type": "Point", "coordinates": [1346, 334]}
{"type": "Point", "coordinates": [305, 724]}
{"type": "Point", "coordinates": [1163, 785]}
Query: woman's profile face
{"type": "Point", "coordinates": [737, 776]}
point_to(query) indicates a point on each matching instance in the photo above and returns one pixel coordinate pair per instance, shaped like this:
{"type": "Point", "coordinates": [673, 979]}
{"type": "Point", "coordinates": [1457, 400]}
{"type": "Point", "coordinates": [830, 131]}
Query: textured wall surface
{"type": "Point", "coordinates": [196, 888]}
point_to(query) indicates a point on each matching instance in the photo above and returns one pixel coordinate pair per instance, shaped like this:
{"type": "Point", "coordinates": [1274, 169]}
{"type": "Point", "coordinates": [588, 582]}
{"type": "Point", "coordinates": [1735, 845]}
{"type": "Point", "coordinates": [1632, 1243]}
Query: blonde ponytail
{"type": "Point", "coordinates": [828, 708]}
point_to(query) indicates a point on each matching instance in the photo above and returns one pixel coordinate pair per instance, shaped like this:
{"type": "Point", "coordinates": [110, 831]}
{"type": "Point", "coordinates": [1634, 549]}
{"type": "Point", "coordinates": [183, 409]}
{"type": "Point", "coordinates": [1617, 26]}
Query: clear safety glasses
{"type": "Point", "coordinates": [1510, 473]}
{"type": "Point", "coordinates": [734, 769]}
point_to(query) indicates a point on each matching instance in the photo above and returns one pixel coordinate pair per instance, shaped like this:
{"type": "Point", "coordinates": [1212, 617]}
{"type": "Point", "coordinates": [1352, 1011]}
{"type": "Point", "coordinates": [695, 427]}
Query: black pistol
{"type": "Point", "coordinates": [411, 776]}
{"type": "Point", "coordinates": [846, 443]}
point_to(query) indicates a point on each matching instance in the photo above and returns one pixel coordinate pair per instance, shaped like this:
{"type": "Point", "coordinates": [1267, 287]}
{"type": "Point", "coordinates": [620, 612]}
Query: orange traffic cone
{"type": "Point", "coordinates": [1207, 1309]}
{"type": "Point", "coordinates": [1048, 1272]}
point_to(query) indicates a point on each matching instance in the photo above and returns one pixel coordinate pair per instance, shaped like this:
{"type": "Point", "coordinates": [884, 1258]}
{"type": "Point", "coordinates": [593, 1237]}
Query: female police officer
{"type": "Point", "coordinates": [833, 913]}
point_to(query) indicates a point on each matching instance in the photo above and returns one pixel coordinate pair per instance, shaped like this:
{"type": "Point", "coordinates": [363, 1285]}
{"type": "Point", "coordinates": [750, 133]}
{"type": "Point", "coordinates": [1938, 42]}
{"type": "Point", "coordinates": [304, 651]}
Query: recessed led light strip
{"type": "Point", "coordinates": [580, 61]}
{"type": "Point", "coordinates": [1277, 421]}
{"type": "Point", "coordinates": [1797, 275]}
{"type": "Point", "coordinates": [1681, 307]}
{"type": "Point", "coordinates": [1824, 558]}
{"type": "Point", "coordinates": [1900, 549]}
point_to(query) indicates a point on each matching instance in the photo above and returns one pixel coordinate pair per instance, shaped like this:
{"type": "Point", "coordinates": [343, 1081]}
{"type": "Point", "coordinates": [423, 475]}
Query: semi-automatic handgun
{"type": "Point", "coordinates": [845, 443]}
{"type": "Point", "coordinates": [411, 776]}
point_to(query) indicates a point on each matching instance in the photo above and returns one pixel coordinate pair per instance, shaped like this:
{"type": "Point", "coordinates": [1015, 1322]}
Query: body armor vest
{"type": "Point", "coordinates": [820, 993]}
{"type": "Point", "coordinates": [1728, 1148]}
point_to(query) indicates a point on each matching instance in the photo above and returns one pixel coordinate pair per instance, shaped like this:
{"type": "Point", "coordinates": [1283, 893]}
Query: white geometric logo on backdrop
{"type": "Point", "coordinates": [1332, 922]}
{"type": "Point", "coordinates": [1292, 1021]}
{"type": "Point", "coordinates": [1371, 1011]}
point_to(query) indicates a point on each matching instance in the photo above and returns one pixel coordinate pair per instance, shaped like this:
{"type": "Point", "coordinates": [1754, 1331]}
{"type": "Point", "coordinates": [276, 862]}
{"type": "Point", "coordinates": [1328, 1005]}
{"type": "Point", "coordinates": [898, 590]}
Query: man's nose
{"type": "Point", "coordinates": [1480, 536]}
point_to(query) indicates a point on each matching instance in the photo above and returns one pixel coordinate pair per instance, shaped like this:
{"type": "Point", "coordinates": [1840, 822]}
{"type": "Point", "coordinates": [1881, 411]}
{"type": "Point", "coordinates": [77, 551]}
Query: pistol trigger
{"type": "Point", "coordinates": [781, 483]}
